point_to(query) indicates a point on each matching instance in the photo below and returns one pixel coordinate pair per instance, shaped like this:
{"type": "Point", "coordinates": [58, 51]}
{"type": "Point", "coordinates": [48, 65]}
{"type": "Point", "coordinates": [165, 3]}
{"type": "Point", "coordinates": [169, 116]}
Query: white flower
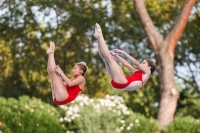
{"type": "Point", "coordinates": [97, 106]}
{"type": "Point", "coordinates": [32, 110]}
{"type": "Point", "coordinates": [69, 120]}
{"type": "Point", "coordinates": [118, 130]}
{"type": "Point", "coordinates": [15, 106]}
{"type": "Point", "coordinates": [76, 115]}
{"type": "Point", "coordinates": [91, 100]}
{"type": "Point", "coordinates": [119, 113]}
{"type": "Point", "coordinates": [65, 118]}
{"type": "Point", "coordinates": [19, 124]}
{"type": "Point", "coordinates": [61, 119]}
{"type": "Point", "coordinates": [76, 109]}
{"type": "Point", "coordinates": [81, 103]}
{"type": "Point", "coordinates": [113, 97]}
{"type": "Point", "coordinates": [122, 121]}
{"type": "Point", "coordinates": [128, 128]}
{"type": "Point", "coordinates": [69, 112]}
{"type": "Point", "coordinates": [107, 96]}
{"type": "Point", "coordinates": [137, 121]}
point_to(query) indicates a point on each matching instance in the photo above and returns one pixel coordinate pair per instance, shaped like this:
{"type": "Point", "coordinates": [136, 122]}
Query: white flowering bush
{"type": "Point", "coordinates": [28, 115]}
{"type": "Point", "coordinates": [107, 115]}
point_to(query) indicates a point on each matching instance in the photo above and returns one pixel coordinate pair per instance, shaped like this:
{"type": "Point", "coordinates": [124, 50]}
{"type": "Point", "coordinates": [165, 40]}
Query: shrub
{"type": "Point", "coordinates": [4, 128]}
{"type": "Point", "coordinates": [29, 115]}
{"type": "Point", "coordinates": [107, 115]}
{"type": "Point", "coordinates": [183, 125]}
{"type": "Point", "coordinates": [137, 123]}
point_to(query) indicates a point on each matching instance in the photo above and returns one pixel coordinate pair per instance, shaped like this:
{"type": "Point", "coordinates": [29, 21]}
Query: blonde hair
{"type": "Point", "coordinates": [83, 66]}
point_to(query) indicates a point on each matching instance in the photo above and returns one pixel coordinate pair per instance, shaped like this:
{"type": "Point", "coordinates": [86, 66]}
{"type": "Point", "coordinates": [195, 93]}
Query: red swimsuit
{"type": "Point", "coordinates": [72, 91]}
{"type": "Point", "coordinates": [137, 76]}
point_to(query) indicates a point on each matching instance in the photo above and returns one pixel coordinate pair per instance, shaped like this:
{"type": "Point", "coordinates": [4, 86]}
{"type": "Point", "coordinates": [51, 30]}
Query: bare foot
{"type": "Point", "coordinates": [97, 31]}
{"type": "Point", "coordinates": [51, 48]}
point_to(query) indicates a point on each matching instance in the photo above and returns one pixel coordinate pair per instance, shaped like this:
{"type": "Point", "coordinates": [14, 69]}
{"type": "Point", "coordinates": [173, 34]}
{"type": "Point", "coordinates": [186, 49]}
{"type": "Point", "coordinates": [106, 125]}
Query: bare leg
{"type": "Point", "coordinates": [58, 88]}
{"type": "Point", "coordinates": [102, 57]}
{"type": "Point", "coordinates": [114, 68]}
{"type": "Point", "coordinates": [106, 63]}
{"type": "Point", "coordinates": [52, 89]}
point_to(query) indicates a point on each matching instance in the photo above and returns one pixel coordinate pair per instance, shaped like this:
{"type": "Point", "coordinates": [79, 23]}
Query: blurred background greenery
{"type": "Point", "coordinates": [27, 27]}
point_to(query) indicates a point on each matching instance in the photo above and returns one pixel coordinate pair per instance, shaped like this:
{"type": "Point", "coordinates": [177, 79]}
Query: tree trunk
{"type": "Point", "coordinates": [164, 51]}
{"type": "Point", "coordinates": [169, 91]}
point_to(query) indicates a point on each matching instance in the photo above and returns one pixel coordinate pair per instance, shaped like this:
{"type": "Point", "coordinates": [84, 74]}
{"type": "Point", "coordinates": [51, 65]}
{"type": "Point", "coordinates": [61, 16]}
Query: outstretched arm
{"type": "Point", "coordinates": [133, 60]}
{"type": "Point", "coordinates": [124, 62]}
{"type": "Point", "coordinates": [69, 82]}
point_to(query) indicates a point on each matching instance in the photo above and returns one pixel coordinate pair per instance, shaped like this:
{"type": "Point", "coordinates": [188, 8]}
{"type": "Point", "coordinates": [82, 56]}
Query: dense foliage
{"type": "Point", "coordinates": [28, 115]}
{"type": "Point", "coordinates": [84, 115]}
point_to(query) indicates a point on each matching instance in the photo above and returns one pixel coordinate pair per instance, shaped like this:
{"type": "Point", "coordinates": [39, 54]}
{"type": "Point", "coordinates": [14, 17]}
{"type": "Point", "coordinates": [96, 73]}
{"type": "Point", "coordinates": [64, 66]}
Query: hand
{"type": "Point", "coordinates": [57, 69]}
{"type": "Point", "coordinates": [119, 51]}
{"type": "Point", "coordinates": [113, 53]}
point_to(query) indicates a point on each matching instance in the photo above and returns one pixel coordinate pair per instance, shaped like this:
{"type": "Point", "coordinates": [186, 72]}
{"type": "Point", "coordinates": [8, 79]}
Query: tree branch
{"type": "Point", "coordinates": [193, 76]}
{"type": "Point", "coordinates": [147, 23]}
{"type": "Point", "coordinates": [186, 81]}
{"type": "Point", "coordinates": [180, 25]}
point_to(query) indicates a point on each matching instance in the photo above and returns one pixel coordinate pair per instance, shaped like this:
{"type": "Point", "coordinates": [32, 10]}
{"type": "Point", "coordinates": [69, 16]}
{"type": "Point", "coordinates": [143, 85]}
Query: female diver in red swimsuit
{"type": "Point", "coordinates": [64, 90]}
{"type": "Point", "coordinates": [116, 74]}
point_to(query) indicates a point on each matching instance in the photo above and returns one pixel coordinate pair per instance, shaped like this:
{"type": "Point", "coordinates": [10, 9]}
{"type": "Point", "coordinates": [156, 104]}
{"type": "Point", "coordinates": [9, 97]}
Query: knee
{"type": "Point", "coordinates": [51, 73]}
{"type": "Point", "coordinates": [50, 70]}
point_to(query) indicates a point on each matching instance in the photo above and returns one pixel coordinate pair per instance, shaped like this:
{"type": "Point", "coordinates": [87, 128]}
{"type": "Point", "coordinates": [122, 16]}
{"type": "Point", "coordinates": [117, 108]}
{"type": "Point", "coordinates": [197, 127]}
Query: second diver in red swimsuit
{"type": "Point", "coordinates": [116, 74]}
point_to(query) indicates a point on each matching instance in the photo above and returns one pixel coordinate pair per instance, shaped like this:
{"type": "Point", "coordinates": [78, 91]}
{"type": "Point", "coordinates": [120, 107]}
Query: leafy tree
{"type": "Point", "coordinates": [164, 51]}
{"type": "Point", "coordinates": [189, 54]}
